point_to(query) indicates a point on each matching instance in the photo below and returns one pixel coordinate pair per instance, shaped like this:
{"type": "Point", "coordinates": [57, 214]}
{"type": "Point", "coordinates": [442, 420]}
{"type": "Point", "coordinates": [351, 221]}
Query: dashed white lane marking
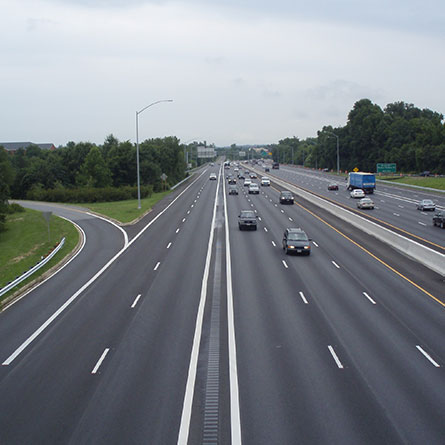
{"type": "Point", "coordinates": [157, 265]}
{"type": "Point", "coordinates": [259, 218]}
{"type": "Point", "coordinates": [285, 264]}
{"type": "Point", "coordinates": [102, 358]}
{"type": "Point", "coordinates": [334, 355]}
{"type": "Point", "coordinates": [188, 212]}
{"type": "Point", "coordinates": [303, 297]}
{"type": "Point", "coordinates": [427, 356]}
{"type": "Point", "coordinates": [135, 302]}
{"type": "Point", "coordinates": [265, 229]}
{"type": "Point", "coordinates": [402, 207]}
{"type": "Point", "coordinates": [369, 298]}
{"type": "Point", "coordinates": [177, 230]}
{"type": "Point", "coordinates": [335, 264]}
{"type": "Point", "coordinates": [183, 219]}
{"type": "Point", "coordinates": [168, 245]}
{"type": "Point", "coordinates": [282, 211]}
{"type": "Point", "coordinates": [396, 214]}
{"type": "Point", "coordinates": [314, 243]}
{"type": "Point", "coordinates": [273, 244]}
{"type": "Point", "coordinates": [192, 205]}
{"type": "Point", "coordinates": [422, 223]}
{"type": "Point", "coordinates": [290, 219]}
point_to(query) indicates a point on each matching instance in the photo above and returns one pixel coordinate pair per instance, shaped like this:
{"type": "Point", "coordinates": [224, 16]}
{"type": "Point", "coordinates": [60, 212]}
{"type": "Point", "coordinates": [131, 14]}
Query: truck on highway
{"type": "Point", "coordinates": [361, 180]}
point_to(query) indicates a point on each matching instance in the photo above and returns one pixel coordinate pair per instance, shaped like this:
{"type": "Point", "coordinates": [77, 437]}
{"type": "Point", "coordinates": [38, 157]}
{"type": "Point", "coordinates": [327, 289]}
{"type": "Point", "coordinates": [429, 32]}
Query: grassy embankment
{"type": "Point", "coordinates": [429, 181]}
{"type": "Point", "coordinates": [26, 240]}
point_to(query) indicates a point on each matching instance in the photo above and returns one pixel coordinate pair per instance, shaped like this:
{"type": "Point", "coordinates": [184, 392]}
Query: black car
{"type": "Point", "coordinates": [247, 219]}
{"type": "Point", "coordinates": [276, 165]}
{"type": "Point", "coordinates": [295, 240]}
{"type": "Point", "coordinates": [241, 175]}
{"type": "Point", "coordinates": [232, 180]}
{"type": "Point", "coordinates": [233, 190]}
{"type": "Point", "coordinates": [439, 219]}
{"type": "Point", "coordinates": [286, 197]}
{"type": "Point", "coordinates": [266, 169]}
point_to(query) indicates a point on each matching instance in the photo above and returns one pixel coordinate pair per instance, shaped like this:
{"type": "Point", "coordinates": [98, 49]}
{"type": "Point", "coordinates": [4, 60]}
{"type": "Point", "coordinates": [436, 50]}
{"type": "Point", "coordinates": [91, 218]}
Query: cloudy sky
{"type": "Point", "coordinates": [238, 71]}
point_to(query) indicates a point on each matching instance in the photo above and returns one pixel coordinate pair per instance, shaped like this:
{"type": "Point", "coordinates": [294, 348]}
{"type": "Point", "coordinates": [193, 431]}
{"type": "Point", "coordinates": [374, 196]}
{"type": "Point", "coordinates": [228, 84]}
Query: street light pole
{"type": "Point", "coordinates": [338, 150]}
{"type": "Point", "coordinates": [137, 144]}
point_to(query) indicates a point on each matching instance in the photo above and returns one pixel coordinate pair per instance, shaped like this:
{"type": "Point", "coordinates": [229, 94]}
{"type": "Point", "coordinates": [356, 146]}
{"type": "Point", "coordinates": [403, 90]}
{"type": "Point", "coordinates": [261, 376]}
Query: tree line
{"type": "Point", "coordinates": [412, 138]}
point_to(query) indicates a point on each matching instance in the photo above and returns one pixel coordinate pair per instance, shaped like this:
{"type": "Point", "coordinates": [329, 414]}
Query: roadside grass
{"type": "Point", "coordinates": [26, 240]}
{"type": "Point", "coordinates": [432, 182]}
{"type": "Point", "coordinates": [125, 211]}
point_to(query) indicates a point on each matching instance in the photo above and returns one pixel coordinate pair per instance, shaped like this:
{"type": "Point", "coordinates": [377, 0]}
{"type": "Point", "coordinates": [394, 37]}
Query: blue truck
{"type": "Point", "coordinates": [361, 180]}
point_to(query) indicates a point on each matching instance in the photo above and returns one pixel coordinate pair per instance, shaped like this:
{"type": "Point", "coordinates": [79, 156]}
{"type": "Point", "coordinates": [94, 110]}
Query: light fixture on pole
{"type": "Point", "coordinates": [137, 144]}
{"type": "Point", "coordinates": [338, 150]}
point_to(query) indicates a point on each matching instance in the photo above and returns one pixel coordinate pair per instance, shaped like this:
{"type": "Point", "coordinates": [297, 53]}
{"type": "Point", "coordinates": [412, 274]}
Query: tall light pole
{"type": "Point", "coordinates": [338, 150]}
{"type": "Point", "coordinates": [137, 144]}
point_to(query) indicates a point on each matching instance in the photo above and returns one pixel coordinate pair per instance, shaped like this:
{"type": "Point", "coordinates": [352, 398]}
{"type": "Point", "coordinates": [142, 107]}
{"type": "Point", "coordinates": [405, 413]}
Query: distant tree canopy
{"type": "Point", "coordinates": [412, 138]}
{"type": "Point", "coordinates": [6, 179]}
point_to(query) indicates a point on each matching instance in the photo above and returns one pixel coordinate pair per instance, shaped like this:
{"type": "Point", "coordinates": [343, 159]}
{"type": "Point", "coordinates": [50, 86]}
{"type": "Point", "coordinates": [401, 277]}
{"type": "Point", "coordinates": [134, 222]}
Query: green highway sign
{"type": "Point", "coordinates": [386, 168]}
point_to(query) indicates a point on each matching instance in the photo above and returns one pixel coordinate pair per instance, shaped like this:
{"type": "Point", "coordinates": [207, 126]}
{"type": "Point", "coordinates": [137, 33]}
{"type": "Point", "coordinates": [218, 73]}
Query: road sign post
{"type": "Point", "coordinates": [386, 168]}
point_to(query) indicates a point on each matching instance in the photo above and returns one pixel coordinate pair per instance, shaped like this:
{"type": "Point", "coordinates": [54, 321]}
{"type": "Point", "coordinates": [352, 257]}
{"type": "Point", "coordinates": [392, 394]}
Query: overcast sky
{"type": "Point", "coordinates": [246, 71]}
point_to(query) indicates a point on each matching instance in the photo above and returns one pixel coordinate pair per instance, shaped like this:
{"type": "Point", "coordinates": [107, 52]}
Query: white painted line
{"type": "Point", "coordinates": [135, 302]}
{"type": "Point", "coordinates": [265, 229]}
{"type": "Point", "coordinates": [259, 218]}
{"type": "Point", "coordinates": [334, 355]}
{"type": "Point", "coordinates": [402, 207]}
{"type": "Point", "coordinates": [256, 211]}
{"type": "Point", "coordinates": [192, 205]}
{"type": "Point", "coordinates": [290, 219]}
{"type": "Point", "coordinates": [303, 298]}
{"type": "Point", "coordinates": [427, 356]}
{"type": "Point", "coordinates": [285, 264]}
{"type": "Point", "coordinates": [168, 245]}
{"type": "Point", "coordinates": [314, 243]}
{"type": "Point", "coordinates": [382, 200]}
{"type": "Point", "coordinates": [188, 212]}
{"type": "Point", "coordinates": [157, 265]}
{"type": "Point", "coordinates": [183, 219]}
{"type": "Point", "coordinates": [396, 214]}
{"type": "Point", "coordinates": [369, 298]}
{"type": "Point", "coordinates": [102, 358]}
{"type": "Point", "coordinates": [36, 333]}
{"type": "Point", "coordinates": [422, 223]}
{"type": "Point", "coordinates": [335, 264]}
{"type": "Point", "coordinates": [194, 201]}
{"type": "Point", "coordinates": [177, 230]}
{"type": "Point", "coordinates": [273, 244]}
{"type": "Point", "coordinates": [276, 205]}
{"type": "Point", "coordinates": [251, 205]}
{"type": "Point", "coordinates": [282, 211]}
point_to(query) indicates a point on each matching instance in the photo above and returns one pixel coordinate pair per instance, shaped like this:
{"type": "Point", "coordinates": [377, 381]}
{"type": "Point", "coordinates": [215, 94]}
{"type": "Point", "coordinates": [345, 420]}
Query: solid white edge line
{"type": "Point", "coordinates": [102, 358]}
{"type": "Point", "coordinates": [36, 333]}
{"type": "Point", "coordinates": [303, 298]}
{"type": "Point", "coordinates": [334, 355]}
{"type": "Point", "coordinates": [136, 301]}
{"type": "Point", "coordinates": [369, 298]}
{"type": "Point", "coordinates": [184, 427]}
{"type": "Point", "coordinates": [427, 356]}
{"type": "Point", "coordinates": [124, 233]}
{"type": "Point", "coordinates": [235, 421]}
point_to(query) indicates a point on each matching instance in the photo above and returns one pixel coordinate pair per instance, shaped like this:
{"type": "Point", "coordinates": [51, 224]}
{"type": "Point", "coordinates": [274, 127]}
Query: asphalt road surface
{"type": "Point", "coordinates": [196, 332]}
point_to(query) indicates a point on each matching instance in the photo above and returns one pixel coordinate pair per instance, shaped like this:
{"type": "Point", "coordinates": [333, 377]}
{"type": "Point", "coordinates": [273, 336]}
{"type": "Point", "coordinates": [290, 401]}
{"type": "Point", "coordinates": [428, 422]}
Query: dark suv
{"type": "Point", "coordinates": [276, 165]}
{"type": "Point", "coordinates": [296, 240]}
{"type": "Point", "coordinates": [286, 197]}
{"type": "Point", "coordinates": [247, 219]}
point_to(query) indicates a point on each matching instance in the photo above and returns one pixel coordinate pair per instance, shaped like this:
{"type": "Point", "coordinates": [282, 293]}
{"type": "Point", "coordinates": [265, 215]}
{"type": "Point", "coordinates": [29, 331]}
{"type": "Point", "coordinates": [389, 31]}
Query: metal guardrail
{"type": "Point", "coordinates": [27, 274]}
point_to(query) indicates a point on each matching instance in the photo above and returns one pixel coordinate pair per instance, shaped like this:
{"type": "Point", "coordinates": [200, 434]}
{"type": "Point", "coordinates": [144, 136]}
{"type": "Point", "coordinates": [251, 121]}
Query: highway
{"type": "Point", "coordinates": [196, 332]}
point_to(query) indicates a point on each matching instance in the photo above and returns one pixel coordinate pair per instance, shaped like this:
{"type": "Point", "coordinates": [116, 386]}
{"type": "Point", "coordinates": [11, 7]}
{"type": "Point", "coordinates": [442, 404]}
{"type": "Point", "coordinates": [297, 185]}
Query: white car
{"type": "Point", "coordinates": [254, 189]}
{"type": "Point", "coordinates": [265, 180]}
{"type": "Point", "coordinates": [247, 182]}
{"type": "Point", "coordinates": [365, 203]}
{"type": "Point", "coordinates": [357, 193]}
{"type": "Point", "coordinates": [212, 176]}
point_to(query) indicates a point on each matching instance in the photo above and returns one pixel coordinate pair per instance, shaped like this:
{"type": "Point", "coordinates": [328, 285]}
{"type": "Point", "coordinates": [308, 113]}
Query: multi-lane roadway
{"type": "Point", "coordinates": [188, 330]}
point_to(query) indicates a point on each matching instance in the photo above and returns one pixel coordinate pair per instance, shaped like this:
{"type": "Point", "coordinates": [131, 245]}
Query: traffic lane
{"type": "Point", "coordinates": [409, 219]}
{"type": "Point", "coordinates": [105, 311]}
{"type": "Point", "coordinates": [398, 340]}
{"type": "Point", "coordinates": [102, 242]}
{"type": "Point", "coordinates": [290, 389]}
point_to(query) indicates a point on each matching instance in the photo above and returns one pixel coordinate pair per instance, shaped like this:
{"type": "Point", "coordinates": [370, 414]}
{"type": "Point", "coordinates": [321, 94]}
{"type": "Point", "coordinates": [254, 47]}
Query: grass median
{"type": "Point", "coordinates": [428, 181]}
{"type": "Point", "coordinates": [26, 241]}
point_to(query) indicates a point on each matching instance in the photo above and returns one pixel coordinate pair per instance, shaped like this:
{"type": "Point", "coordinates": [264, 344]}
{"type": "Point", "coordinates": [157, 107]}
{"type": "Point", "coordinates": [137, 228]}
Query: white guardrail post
{"type": "Point", "coordinates": [27, 274]}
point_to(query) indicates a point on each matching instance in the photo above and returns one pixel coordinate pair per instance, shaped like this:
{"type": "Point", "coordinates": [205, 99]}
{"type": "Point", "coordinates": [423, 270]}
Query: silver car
{"type": "Point", "coordinates": [365, 203]}
{"type": "Point", "coordinates": [426, 204]}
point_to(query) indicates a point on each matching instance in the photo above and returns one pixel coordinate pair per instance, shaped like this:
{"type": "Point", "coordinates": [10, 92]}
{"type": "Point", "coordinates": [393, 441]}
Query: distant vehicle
{"type": "Point", "coordinates": [247, 182]}
{"type": "Point", "coordinates": [241, 175]}
{"type": "Point", "coordinates": [439, 219]}
{"type": "Point", "coordinates": [425, 173]}
{"type": "Point", "coordinates": [254, 189]}
{"type": "Point", "coordinates": [266, 169]}
{"type": "Point", "coordinates": [426, 204]}
{"type": "Point", "coordinates": [232, 180]}
{"type": "Point", "coordinates": [212, 164]}
{"type": "Point", "coordinates": [357, 193]}
{"type": "Point", "coordinates": [365, 203]}
{"type": "Point", "coordinates": [333, 186]}
{"type": "Point", "coordinates": [265, 181]}
{"type": "Point", "coordinates": [360, 180]}
{"type": "Point", "coordinates": [253, 175]}
{"type": "Point", "coordinates": [325, 170]}
{"type": "Point", "coordinates": [233, 190]}
{"type": "Point", "coordinates": [295, 240]}
{"type": "Point", "coordinates": [212, 177]}
{"type": "Point", "coordinates": [247, 219]}
{"type": "Point", "coordinates": [276, 165]}
{"type": "Point", "coordinates": [286, 197]}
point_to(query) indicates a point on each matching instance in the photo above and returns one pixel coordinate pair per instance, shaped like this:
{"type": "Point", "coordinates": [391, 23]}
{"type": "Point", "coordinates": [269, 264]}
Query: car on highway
{"type": "Point", "coordinates": [357, 193]}
{"type": "Point", "coordinates": [426, 204]}
{"type": "Point", "coordinates": [254, 189]}
{"type": "Point", "coordinates": [266, 169]}
{"type": "Point", "coordinates": [241, 175]}
{"type": "Point", "coordinates": [439, 219]}
{"type": "Point", "coordinates": [276, 165]}
{"type": "Point", "coordinates": [247, 182]}
{"type": "Point", "coordinates": [232, 180]}
{"type": "Point", "coordinates": [233, 190]}
{"type": "Point", "coordinates": [212, 177]}
{"type": "Point", "coordinates": [253, 175]}
{"type": "Point", "coordinates": [286, 197]}
{"type": "Point", "coordinates": [333, 186]}
{"type": "Point", "coordinates": [247, 220]}
{"type": "Point", "coordinates": [365, 203]}
{"type": "Point", "coordinates": [295, 240]}
{"type": "Point", "coordinates": [265, 181]}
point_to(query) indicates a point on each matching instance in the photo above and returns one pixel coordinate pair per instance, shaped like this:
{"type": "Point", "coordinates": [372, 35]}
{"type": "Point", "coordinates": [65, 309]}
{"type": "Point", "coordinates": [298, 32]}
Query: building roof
{"type": "Point", "coordinates": [14, 146]}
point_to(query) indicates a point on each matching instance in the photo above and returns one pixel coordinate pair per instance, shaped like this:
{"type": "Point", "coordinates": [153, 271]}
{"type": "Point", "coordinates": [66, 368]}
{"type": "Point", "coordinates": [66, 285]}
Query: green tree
{"type": "Point", "coordinates": [94, 171]}
{"type": "Point", "coordinates": [6, 180]}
